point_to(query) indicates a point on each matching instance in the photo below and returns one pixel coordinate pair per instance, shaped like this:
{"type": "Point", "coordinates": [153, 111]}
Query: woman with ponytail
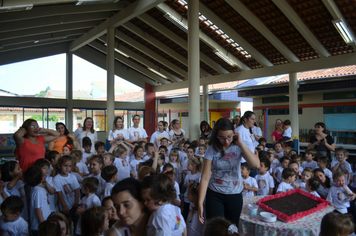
{"type": "Point", "coordinates": [246, 124]}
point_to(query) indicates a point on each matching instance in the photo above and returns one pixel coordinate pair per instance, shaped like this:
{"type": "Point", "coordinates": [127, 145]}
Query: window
{"type": "Point", "coordinates": [338, 110]}
{"type": "Point", "coordinates": [340, 95]}
{"type": "Point", "coordinates": [279, 99]}
{"type": "Point", "coordinates": [283, 111]}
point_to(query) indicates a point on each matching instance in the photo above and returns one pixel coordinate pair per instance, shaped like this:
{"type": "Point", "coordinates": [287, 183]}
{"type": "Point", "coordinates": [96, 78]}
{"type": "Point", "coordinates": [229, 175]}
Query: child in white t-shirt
{"type": "Point", "coordinates": [312, 185]}
{"type": "Point", "coordinates": [11, 223]}
{"type": "Point", "coordinates": [323, 162]}
{"type": "Point", "coordinates": [278, 147]}
{"type": "Point", "coordinates": [82, 167]}
{"type": "Point", "coordinates": [287, 134]}
{"type": "Point", "coordinates": [96, 165]}
{"type": "Point", "coordinates": [294, 165]}
{"type": "Point", "coordinates": [177, 165]}
{"type": "Point", "coordinates": [341, 164]}
{"type": "Point", "coordinates": [150, 151]}
{"type": "Point", "coordinates": [163, 149]}
{"type": "Point", "coordinates": [134, 164]}
{"type": "Point", "coordinates": [109, 174]}
{"type": "Point", "coordinates": [306, 174]}
{"type": "Point", "coordinates": [189, 153]}
{"type": "Point", "coordinates": [274, 161]}
{"type": "Point", "coordinates": [52, 157]}
{"type": "Point", "coordinates": [249, 183]}
{"type": "Point", "coordinates": [169, 146]}
{"type": "Point", "coordinates": [309, 162]}
{"type": "Point", "coordinates": [288, 181]}
{"type": "Point", "coordinates": [194, 226]}
{"type": "Point", "coordinates": [123, 167]}
{"type": "Point", "coordinates": [40, 208]}
{"type": "Point", "coordinates": [165, 218]}
{"type": "Point", "coordinates": [169, 171]}
{"type": "Point", "coordinates": [264, 180]}
{"type": "Point", "coordinates": [87, 154]}
{"type": "Point", "coordinates": [277, 174]}
{"type": "Point", "coordinates": [340, 195]}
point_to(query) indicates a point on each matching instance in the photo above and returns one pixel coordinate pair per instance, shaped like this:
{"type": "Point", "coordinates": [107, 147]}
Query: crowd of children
{"type": "Point", "coordinates": [68, 191]}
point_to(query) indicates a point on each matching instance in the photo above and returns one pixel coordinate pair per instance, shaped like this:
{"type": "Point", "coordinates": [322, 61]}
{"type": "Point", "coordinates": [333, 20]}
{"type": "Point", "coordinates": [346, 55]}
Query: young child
{"type": "Point", "coordinates": [277, 174]}
{"type": "Point", "coordinates": [157, 194]}
{"type": "Point", "coordinates": [134, 164]}
{"type": "Point", "coordinates": [288, 181]}
{"type": "Point", "coordinates": [336, 224]}
{"type": "Point", "coordinates": [108, 159]}
{"type": "Point", "coordinates": [150, 149]}
{"type": "Point", "coordinates": [274, 162]}
{"type": "Point", "coordinates": [49, 227]}
{"type": "Point", "coordinates": [52, 157]}
{"type": "Point", "coordinates": [287, 134]}
{"type": "Point", "coordinates": [160, 162]}
{"type": "Point", "coordinates": [353, 177]}
{"type": "Point", "coordinates": [174, 160]}
{"type": "Point", "coordinates": [201, 141]}
{"type": "Point", "coordinates": [82, 168]}
{"type": "Point", "coordinates": [309, 159]}
{"type": "Point", "coordinates": [11, 175]}
{"type": "Point", "coordinates": [296, 158]}
{"type": "Point", "coordinates": [312, 185]}
{"type": "Point", "coordinates": [286, 151]}
{"type": "Point", "coordinates": [340, 195]}
{"type": "Point", "coordinates": [96, 220]}
{"type": "Point", "coordinates": [181, 151]}
{"type": "Point", "coordinates": [295, 167]}
{"type": "Point", "coordinates": [89, 187]}
{"type": "Point", "coordinates": [220, 226]}
{"type": "Point", "coordinates": [264, 179]}
{"type": "Point", "coordinates": [194, 226]}
{"type": "Point", "coordinates": [67, 148]}
{"type": "Point", "coordinates": [340, 164]}
{"type": "Point", "coordinates": [123, 167]}
{"type": "Point", "coordinates": [100, 148]}
{"type": "Point", "coordinates": [164, 142]}
{"type": "Point", "coordinates": [202, 149]}
{"type": "Point", "coordinates": [109, 174]}
{"type": "Point", "coordinates": [11, 223]}
{"type": "Point", "coordinates": [278, 147]}
{"type": "Point", "coordinates": [169, 171]}
{"type": "Point", "coordinates": [249, 183]}
{"type": "Point", "coordinates": [189, 153]}
{"type": "Point", "coordinates": [87, 150]}
{"type": "Point", "coordinates": [67, 187]}
{"type": "Point", "coordinates": [164, 151]}
{"type": "Point", "coordinates": [263, 142]}
{"type": "Point", "coordinates": [306, 174]}
{"type": "Point", "coordinates": [96, 164]}
{"type": "Point", "coordinates": [40, 207]}
{"type": "Point", "coordinates": [195, 166]}
{"type": "Point", "coordinates": [63, 222]}
{"type": "Point", "coordinates": [323, 162]}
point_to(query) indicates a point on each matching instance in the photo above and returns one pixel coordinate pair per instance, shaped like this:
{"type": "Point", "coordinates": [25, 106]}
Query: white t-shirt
{"type": "Point", "coordinates": [301, 185]}
{"type": "Point", "coordinates": [288, 132]}
{"type": "Point", "coordinates": [134, 164]}
{"type": "Point", "coordinates": [177, 170]}
{"type": "Point", "coordinates": [79, 178]}
{"type": "Point", "coordinates": [82, 167]}
{"type": "Point", "coordinates": [252, 183]}
{"type": "Point", "coordinates": [328, 173]}
{"type": "Point", "coordinates": [18, 190]}
{"type": "Point", "coordinates": [315, 193]}
{"type": "Point", "coordinates": [39, 199]}
{"type": "Point", "coordinates": [247, 138]}
{"type": "Point", "coordinates": [191, 179]}
{"type": "Point", "coordinates": [79, 134]}
{"type": "Point", "coordinates": [107, 188]}
{"type": "Point", "coordinates": [101, 183]}
{"type": "Point", "coordinates": [166, 220]}
{"type": "Point", "coordinates": [86, 156]}
{"type": "Point", "coordinates": [136, 133]}
{"type": "Point", "coordinates": [157, 136]}
{"type": "Point", "coordinates": [194, 227]}
{"type": "Point", "coordinates": [87, 202]}
{"type": "Point", "coordinates": [123, 169]}
{"type": "Point", "coordinates": [122, 132]}
{"type": "Point", "coordinates": [18, 227]}
{"type": "Point", "coordinates": [145, 158]}
{"type": "Point", "coordinates": [280, 154]}
{"type": "Point", "coordinates": [275, 163]}
{"type": "Point", "coordinates": [256, 130]}
{"type": "Point", "coordinates": [353, 179]}
{"type": "Point", "coordinates": [284, 187]}
{"type": "Point", "coordinates": [278, 171]}
{"type": "Point", "coordinates": [347, 166]}
{"type": "Point", "coordinates": [313, 165]}
{"type": "Point", "coordinates": [176, 187]}
{"type": "Point", "coordinates": [66, 185]}
{"type": "Point", "coordinates": [265, 183]}
{"type": "Point", "coordinates": [52, 203]}
{"type": "Point", "coordinates": [338, 196]}
{"type": "Point", "coordinates": [226, 171]}
{"type": "Point", "coordinates": [323, 192]}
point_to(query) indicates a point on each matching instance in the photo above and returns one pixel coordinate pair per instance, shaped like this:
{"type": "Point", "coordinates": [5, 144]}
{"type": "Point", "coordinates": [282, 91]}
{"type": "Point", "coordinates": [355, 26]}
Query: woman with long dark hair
{"type": "Point", "coordinates": [321, 141]}
{"type": "Point", "coordinates": [247, 122]}
{"type": "Point", "coordinates": [118, 133]}
{"type": "Point", "coordinates": [205, 130]}
{"type": "Point", "coordinates": [221, 179]}
{"type": "Point", "coordinates": [64, 138]}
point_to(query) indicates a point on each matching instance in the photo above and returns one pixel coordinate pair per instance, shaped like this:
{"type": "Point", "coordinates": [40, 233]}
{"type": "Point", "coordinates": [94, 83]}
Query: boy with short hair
{"type": "Point", "coordinates": [309, 159]}
{"type": "Point", "coordinates": [288, 181]}
{"type": "Point", "coordinates": [86, 144]}
{"type": "Point", "coordinates": [100, 148]}
{"type": "Point", "coordinates": [40, 206]}
{"type": "Point", "coordinates": [340, 195]}
{"type": "Point", "coordinates": [340, 164]}
{"type": "Point", "coordinates": [164, 142]}
{"type": "Point", "coordinates": [249, 183]}
{"type": "Point", "coordinates": [274, 162]}
{"type": "Point", "coordinates": [11, 223]}
{"type": "Point", "coordinates": [323, 162]}
{"type": "Point", "coordinates": [294, 166]}
{"type": "Point", "coordinates": [202, 149]}
{"type": "Point", "coordinates": [52, 157]}
{"type": "Point", "coordinates": [181, 152]}
{"type": "Point", "coordinates": [286, 151]}
{"type": "Point", "coordinates": [163, 149]}
{"type": "Point", "coordinates": [108, 158]}
{"type": "Point", "coordinates": [264, 179]}
{"type": "Point", "coordinates": [201, 141]}
{"type": "Point", "coordinates": [277, 174]}
{"type": "Point", "coordinates": [263, 142]}
{"type": "Point", "coordinates": [134, 164]}
{"type": "Point", "coordinates": [150, 151]}
{"type": "Point", "coordinates": [190, 151]}
{"type": "Point", "coordinates": [290, 144]}
{"type": "Point", "coordinates": [287, 134]}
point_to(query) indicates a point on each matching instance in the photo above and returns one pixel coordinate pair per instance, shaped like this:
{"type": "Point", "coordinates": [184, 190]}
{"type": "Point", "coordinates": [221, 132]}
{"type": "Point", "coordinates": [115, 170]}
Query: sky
{"type": "Point", "coordinates": [30, 77]}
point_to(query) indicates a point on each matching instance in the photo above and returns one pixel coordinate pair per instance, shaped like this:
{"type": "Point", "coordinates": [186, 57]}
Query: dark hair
{"type": "Point", "coordinates": [147, 145]}
{"type": "Point", "coordinates": [246, 116]}
{"type": "Point", "coordinates": [313, 184]}
{"type": "Point", "coordinates": [278, 143]}
{"type": "Point", "coordinates": [163, 147]}
{"type": "Point", "coordinates": [14, 203]}
{"type": "Point", "coordinates": [287, 122]}
{"type": "Point", "coordinates": [41, 162]}
{"type": "Point", "coordinates": [66, 131]}
{"type": "Point", "coordinates": [52, 155]}
{"type": "Point", "coordinates": [203, 124]}
{"type": "Point", "coordinates": [60, 217]}
{"type": "Point", "coordinates": [129, 184]}
{"type": "Point", "coordinates": [190, 147]}
{"type": "Point", "coordinates": [288, 172]}
{"type": "Point", "coordinates": [62, 160]}
{"type": "Point", "coordinates": [99, 144]}
{"type": "Point", "coordinates": [324, 159]}
{"type": "Point", "coordinates": [26, 125]}
{"type": "Point", "coordinates": [136, 148]}
{"type": "Point", "coordinates": [340, 149]}
{"type": "Point", "coordinates": [290, 144]}
{"type": "Point", "coordinates": [262, 154]}
{"type": "Point", "coordinates": [161, 156]}
{"type": "Point", "coordinates": [160, 188]}
{"type": "Point", "coordinates": [322, 125]}
{"type": "Point", "coordinates": [133, 117]}
{"type": "Point", "coordinates": [262, 140]}
{"type": "Point", "coordinates": [312, 151]}
{"type": "Point", "coordinates": [114, 127]}
{"type": "Point", "coordinates": [108, 172]}
{"type": "Point", "coordinates": [174, 121]}
{"type": "Point", "coordinates": [164, 138]}
{"type": "Point", "coordinates": [6, 169]}
{"type": "Point", "coordinates": [33, 175]}
{"type": "Point", "coordinates": [98, 159]}
{"type": "Point", "coordinates": [105, 199]}
{"type": "Point", "coordinates": [217, 226]}
{"type": "Point", "coordinates": [91, 183]}
{"type": "Point", "coordinates": [327, 179]}
{"type": "Point", "coordinates": [283, 159]}
{"type": "Point", "coordinates": [266, 161]}
{"type": "Point", "coordinates": [246, 166]}
{"type": "Point", "coordinates": [168, 165]}
{"type": "Point", "coordinates": [93, 219]}
{"type": "Point", "coordinates": [49, 227]}
{"type": "Point", "coordinates": [92, 127]}
{"type": "Point", "coordinates": [221, 124]}
{"type": "Point", "coordinates": [336, 224]}
{"type": "Point", "coordinates": [86, 142]}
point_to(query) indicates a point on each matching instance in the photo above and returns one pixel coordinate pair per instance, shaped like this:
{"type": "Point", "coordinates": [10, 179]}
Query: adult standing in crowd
{"type": "Point", "coordinates": [322, 142]}
{"type": "Point", "coordinates": [137, 133]}
{"type": "Point", "coordinates": [118, 133]}
{"type": "Point", "coordinates": [177, 133]}
{"type": "Point", "coordinates": [64, 138]}
{"type": "Point", "coordinates": [86, 131]}
{"type": "Point", "coordinates": [257, 133]}
{"type": "Point", "coordinates": [246, 124]}
{"type": "Point", "coordinates": [205, 130]}
{"type": "Point", "coordinates": [278, 133]}
{"type": "Point", "coordinates": [221, 179]}
{"type": "Point", "coordinates": [30, 144]}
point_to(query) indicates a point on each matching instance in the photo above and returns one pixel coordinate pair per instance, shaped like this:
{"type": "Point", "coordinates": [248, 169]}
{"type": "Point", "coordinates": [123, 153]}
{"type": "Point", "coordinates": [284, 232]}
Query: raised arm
{"type": "Point", "coordinates": [51, 134]}
{"type": "Point", "coordinates": [252, 159]}
{"type": "Point", "coordinates": [75, 143]}
{"type": "Point", "coordinates": [19, 137]}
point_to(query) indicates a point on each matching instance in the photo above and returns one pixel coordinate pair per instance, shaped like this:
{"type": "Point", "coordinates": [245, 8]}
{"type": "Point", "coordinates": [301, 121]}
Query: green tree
{"type": "Point", "coordinates": [43, 92]}
{"type": "Point", "coordinates": [50, 118]}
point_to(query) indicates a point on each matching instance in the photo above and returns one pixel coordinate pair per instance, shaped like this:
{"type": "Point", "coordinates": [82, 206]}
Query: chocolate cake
{"type": "Point", "coordinates": [292, 204]}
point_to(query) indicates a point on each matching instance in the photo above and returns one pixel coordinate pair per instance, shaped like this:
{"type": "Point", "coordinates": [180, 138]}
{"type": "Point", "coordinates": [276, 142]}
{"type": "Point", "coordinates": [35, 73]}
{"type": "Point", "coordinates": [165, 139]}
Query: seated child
{"type": "Point", "coordinates": [295, 167]}
{"type": "Point", "coordinates": [340, 164]}
{"type": "Point", "coordinates": [306, 174]}
{"type": "Point", "coordinates": [108, 158]}
{"type": "Point", "coordinates": [11, 223]}
{"type": "Point", "coordinates": [287, 134]}
{"type": "Point", "coordinates": [263, 142]}
{"type": "Point", "coordinates": [109, 174]}
{"type": "Point", "coordinates": [288, 181]}
{"type": "Point", "coordinates": [274, 162]}
{"type": "Point", "coordinates": [336, 224]}
{"type": "Point", "coordinates": [202, 149]}
{"type": "Point", "coordinates": [264, 179]}
{"type": "Point", "coordinates": [278, 147]}
{"type": "Point", "coordinates": [340, 195]}
{"type": "Point", "coordinates": [312, 185]}
{"type": "Point", "coordinates": [323, 162]}
{"type": "Point", "coordinates": [249, 183]}
{"type": "Point", "coordinates": [309, 156]}
{"type": "Point", "coordinates": [298, 159]}
{"type": "Point", "coordinates": [277, 174]}
{"type": "Point", "coordinates": [100, 148]}
{"type": "Point", "coordinates": [201, 142]}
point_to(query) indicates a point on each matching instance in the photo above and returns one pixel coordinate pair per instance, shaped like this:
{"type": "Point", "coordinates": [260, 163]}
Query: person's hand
{"type": "Point", "coordinates": [75, 169]}
{"type": "Point", "coordinates": [200, 214]}
{"type": "Point", "coordinates": [238, 140]}
{"type": "Point", "coordinates": [133, 175]}
{"type": "Point", "coordinates": [70, 136]}
{"type": "Point", "coordinates": [2, 186]}
{"type": "Point", "coordinates": [316, 143]}
{"type": "Point", "coordinates": [352, 196]}
{"type": "Point", "coordinates": [80, 210]}
{"type": "Point", "coordinates": [66, 210]}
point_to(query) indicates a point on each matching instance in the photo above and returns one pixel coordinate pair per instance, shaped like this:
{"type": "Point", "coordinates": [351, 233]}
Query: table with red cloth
{"type": "Point", "coordinates": [306, 226]}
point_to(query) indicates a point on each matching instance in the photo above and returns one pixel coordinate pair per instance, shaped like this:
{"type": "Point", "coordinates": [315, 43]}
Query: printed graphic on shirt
{"type": "Point", "coordinates": [67, 189]}
{"type": "Point", "coordinates": [261, 183]}
{"type": "Point", "coordinates": [136, 134]}
{"type": "Point", "coordinates": [124, 163]}
{"type": "Point", "coordinates": [178, 223]}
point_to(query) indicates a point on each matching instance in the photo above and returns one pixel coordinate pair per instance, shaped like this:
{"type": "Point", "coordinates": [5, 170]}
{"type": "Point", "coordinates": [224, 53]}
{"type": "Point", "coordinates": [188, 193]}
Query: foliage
{"type": "Point", "coordinates": [43, 92]}
{"type": "Point", "coordinates": [39, 118]}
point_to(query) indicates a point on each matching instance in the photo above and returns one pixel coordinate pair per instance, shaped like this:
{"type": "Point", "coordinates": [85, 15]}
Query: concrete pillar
{"type": "Point", "coordinates": [193, 69]}
{"type": "Point", "coordinates": [206, 102]}
{"type": "Point", "coordinates": [150, 110]}
{"type": "Point", "coordinates": [293, 108]}
{"type": "Point", "coordinates": [69, 92]}
{"type": "Point", "coordinates": [110, 81]}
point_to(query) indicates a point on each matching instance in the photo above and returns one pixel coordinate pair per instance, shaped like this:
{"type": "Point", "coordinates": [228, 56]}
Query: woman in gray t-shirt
{"type": "Point", "coordinates": [221, 179]}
